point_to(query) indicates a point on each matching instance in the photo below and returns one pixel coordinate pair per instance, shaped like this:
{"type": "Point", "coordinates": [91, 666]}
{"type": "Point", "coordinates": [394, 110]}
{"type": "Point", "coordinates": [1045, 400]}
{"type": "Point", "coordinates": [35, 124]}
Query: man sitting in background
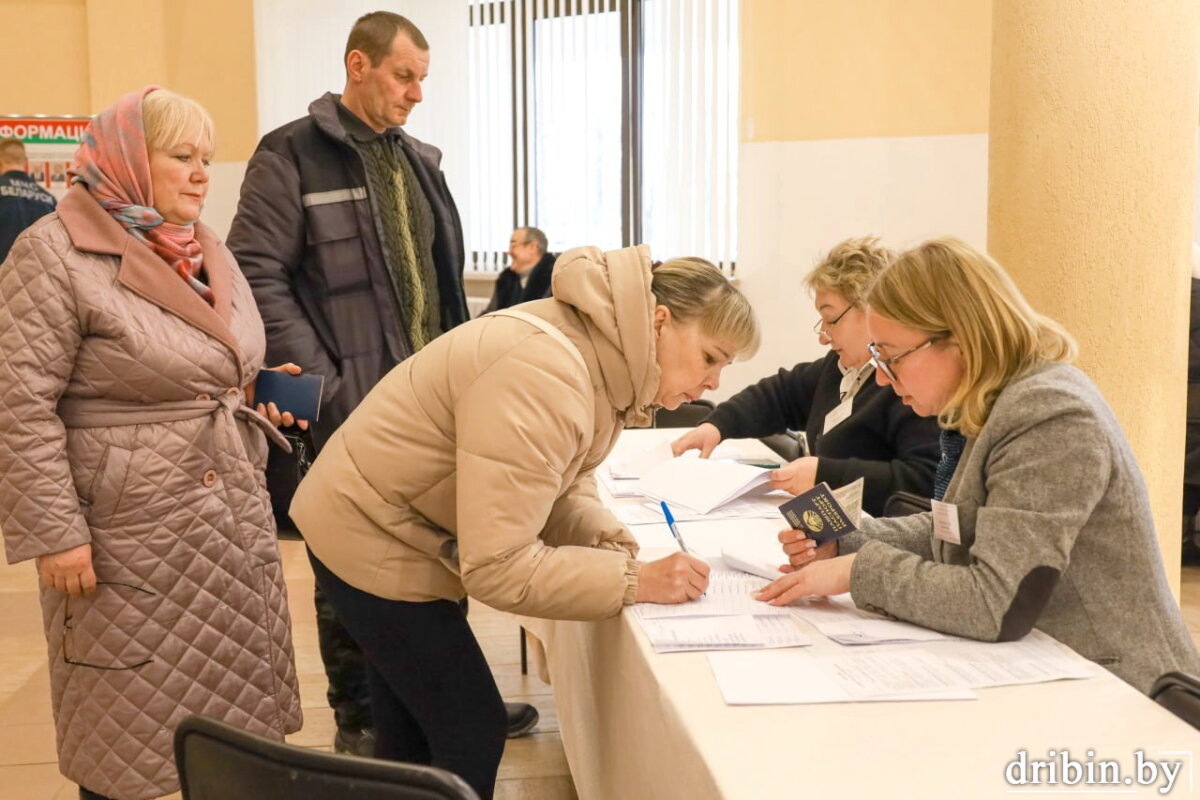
{"type": "Point", "coordinates": [22, 201]}
{"type": "Point", "coordinates": [528, 276]}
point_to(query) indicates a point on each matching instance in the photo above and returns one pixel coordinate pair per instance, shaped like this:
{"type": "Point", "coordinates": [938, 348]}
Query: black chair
{"type": "Point", "coordinates": [219, 762]}
{"type": "Point", "coordinates": [785, 445]}
{"type": "Point", "coordinates": [902, 504]}
{"type": "Point", "coordinates": [1179, 693]}
{"type": "Point", "coordinates": [688, 415]}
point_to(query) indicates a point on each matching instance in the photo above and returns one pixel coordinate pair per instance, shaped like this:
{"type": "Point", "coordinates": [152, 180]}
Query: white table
{"type": "Point", "coordinates": [637, 724]}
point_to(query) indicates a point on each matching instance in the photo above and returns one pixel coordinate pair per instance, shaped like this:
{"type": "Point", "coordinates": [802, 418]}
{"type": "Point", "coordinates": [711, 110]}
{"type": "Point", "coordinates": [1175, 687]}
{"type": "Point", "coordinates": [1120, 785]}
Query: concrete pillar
{"type": "Point", "coordinates": [1092, 162]}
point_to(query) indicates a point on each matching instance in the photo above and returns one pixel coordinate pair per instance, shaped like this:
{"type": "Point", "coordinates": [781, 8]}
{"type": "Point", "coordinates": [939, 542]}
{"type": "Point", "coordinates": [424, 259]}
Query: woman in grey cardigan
{"type": "Point", "coordinates": [1047, 519]}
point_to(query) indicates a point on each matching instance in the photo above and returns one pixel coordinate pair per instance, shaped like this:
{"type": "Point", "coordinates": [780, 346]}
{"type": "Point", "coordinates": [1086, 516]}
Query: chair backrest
{"type": "Point", "coordinates": [786, 446]}
{"type": "Point", "coordinates": [1179, 693]}
{"type": "Point", "coordinates": [901, 504]}
{"type": "Point", "coordinates": [688, 415]}
{"type": "Point", "coordinates": [219, 762]}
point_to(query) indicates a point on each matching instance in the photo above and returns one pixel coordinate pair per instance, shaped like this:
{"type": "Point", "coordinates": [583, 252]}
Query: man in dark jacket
{"type": "Point", "coordinates": [22, 201]}
{"type": "Point", "coordinates": [527, 277]}
{"type": "Point", "coordinates": [350, 239]}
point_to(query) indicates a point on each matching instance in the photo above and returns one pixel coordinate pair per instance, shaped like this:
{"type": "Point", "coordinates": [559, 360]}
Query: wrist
{"type": "Point", "coordinates": [633, 572]}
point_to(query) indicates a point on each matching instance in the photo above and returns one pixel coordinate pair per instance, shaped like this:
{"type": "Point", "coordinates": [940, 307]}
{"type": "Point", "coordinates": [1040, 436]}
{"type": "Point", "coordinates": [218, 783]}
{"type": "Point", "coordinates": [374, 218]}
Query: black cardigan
{"type": "Point", "coordinates": [882, 440]}
{"type": "Point", "coordinates": [509, 292]}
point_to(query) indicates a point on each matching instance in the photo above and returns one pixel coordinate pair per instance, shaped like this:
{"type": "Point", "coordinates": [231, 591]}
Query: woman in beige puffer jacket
{"type": "Point", "coordinates": [469, 470]}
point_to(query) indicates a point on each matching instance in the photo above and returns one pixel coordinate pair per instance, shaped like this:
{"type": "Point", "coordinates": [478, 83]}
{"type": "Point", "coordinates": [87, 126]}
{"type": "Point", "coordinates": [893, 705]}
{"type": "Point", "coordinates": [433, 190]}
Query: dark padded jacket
{"type": "Point", "coordinates": [306, 237]}
{"type": "Point", "coordinates": [22, 203]}
{"type": "Point", "coordinates": [882, 440]}
{"type": "Point", "coordinates": [510, 292]}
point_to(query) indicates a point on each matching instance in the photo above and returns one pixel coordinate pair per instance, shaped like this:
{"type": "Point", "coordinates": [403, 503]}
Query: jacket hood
{"type": "Point", "coordinates": [611, 293]}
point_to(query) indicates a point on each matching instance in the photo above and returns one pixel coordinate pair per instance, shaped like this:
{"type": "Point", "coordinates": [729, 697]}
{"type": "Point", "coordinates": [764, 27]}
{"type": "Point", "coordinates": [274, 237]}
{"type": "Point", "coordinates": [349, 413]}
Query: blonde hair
{"type": "Point", "coordinates": [951, 292]}
{"type": "Point", "coordinates": [169, 119]}
{"type": "Point", "coordinates": [695, 290]}
{"type": "Point", "coordinates": [850, 268]}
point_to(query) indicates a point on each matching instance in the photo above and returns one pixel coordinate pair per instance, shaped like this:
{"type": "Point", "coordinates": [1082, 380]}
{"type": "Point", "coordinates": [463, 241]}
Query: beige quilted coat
{"type": "Point", "coordinates": [469, 469]}
{"type": "Point", "coordinates": [121, 425]}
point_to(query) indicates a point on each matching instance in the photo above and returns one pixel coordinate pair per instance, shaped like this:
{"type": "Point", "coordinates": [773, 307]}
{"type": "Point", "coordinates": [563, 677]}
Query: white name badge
{"type": "Point", "coordinates": [945, 522]}
{"type": "Point", "coordinates": [838, 415]}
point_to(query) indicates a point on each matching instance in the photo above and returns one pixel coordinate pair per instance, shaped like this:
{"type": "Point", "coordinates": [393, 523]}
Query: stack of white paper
{"type": "Point", "coordinates": [725, 618]}
{"type": "Point", "coordinates": [728, 595]}
{"type": "Point", "coordinates": [838, 618]}
{"type": "Point", "coordinates": [764, 558]}
{"type": "Point", "coordinates": [927, 670]}
{"type": "Point", "coordinates": [764, 507]}
{"type": "Point", "coordinates": [619, 487]}
{"type": "Point", "coordinates": [701, 484]}
{"type": "Point", "coordinates": [689, 634]}
{"type": "Point", "coordinates": [638, 464]}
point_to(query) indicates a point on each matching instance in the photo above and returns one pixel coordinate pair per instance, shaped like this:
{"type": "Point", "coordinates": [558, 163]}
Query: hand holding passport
{"type": "Point", "coordinates": [295, 394]}
{"type": "Point", "coordinates": [819, 514]}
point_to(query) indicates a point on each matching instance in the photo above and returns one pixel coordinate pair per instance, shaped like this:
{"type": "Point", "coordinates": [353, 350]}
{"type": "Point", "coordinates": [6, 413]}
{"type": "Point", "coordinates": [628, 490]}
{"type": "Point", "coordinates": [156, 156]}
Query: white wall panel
{"type": "Point", "coordinates": [798, 199]}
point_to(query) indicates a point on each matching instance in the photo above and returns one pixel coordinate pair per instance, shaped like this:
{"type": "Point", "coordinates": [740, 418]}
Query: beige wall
{"type": "Point", "coordinates": [858, 117]}
{"type": "Point", "coordinates": [45, 56]}
{"type": "Point", "coordinates": [832, 69]}
{"type": "Point", "coordinates": [103, 48]}
{"type": "Point", "coordinates": [1093, 159]}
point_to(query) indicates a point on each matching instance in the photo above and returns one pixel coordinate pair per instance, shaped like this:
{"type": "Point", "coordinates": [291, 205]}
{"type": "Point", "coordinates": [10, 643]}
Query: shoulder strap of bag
{"type": "Point", "coordinates": [544, 327]}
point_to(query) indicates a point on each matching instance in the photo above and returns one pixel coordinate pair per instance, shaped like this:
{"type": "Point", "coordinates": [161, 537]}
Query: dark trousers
{"type": "Point", "coordinates": [432, 694]}
{"type": "Point", "coordinates": [349, 694]}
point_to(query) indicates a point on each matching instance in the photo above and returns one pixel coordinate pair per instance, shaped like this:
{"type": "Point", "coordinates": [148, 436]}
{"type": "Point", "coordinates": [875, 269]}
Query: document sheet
{"type": "Point", "coordinates": [685, 634]}
{"type": "Point", "coordinates": [728, 595]}
{"type": "Point", "coordinates": [839, 619]}
{"type": "Point", "coordinates": [926, 670]}
{"type": "Point", "coordinates": [701, 484]}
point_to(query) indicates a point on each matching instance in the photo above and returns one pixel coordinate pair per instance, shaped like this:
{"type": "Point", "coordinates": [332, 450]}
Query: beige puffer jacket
{"type": "Point", "coordinates": [121, 424]}
{"type": "Point", "coordinates": [469, 468]}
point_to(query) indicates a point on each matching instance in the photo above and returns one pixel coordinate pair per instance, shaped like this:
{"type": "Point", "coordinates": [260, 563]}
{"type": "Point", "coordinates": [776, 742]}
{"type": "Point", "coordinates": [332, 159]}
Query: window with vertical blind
{"type": "Point", "coordinates": [604, 122]}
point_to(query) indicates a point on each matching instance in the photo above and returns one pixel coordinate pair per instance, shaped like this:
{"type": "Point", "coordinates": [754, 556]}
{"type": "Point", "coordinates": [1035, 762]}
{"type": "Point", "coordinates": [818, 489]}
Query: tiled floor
{"type": "Point", "coordinates": [534, 768]}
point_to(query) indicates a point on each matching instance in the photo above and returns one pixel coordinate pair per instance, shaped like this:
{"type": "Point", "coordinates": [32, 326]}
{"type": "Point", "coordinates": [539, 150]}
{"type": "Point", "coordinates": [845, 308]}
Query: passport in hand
{"type": "Point", "coordinates": [818, 513]}
{"type": "Point", "coordinates": [299, 394]}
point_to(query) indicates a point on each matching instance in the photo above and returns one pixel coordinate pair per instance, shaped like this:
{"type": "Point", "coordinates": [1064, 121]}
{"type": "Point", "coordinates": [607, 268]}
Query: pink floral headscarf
{"type": "Point", "coordinates": [113, 162]}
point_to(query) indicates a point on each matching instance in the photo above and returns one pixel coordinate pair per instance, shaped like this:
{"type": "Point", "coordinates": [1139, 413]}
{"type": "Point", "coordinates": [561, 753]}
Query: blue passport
{"type": "Point", "coordinates": [818, 513]}
{"type": "Point", "coordinates": [299, 394]}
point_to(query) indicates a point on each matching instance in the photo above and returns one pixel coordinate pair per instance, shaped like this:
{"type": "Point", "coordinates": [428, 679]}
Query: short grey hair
{"type": "Point", "coordinates": [537, 237]}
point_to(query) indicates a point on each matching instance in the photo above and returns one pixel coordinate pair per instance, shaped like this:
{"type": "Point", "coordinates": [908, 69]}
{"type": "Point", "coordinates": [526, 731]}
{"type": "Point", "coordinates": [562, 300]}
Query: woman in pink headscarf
{"type": "Point", "coordinates": [132, 461]}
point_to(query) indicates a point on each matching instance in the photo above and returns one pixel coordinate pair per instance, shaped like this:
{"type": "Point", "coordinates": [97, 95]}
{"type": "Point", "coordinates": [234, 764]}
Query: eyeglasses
{"type": "Point", "coordinates": [822, 327]}
{"type": "Point", "coordinates": [885, 364]}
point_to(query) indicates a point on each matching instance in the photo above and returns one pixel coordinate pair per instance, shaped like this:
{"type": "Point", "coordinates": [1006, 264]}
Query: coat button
{"type": "Point", "coordinates": [210, 478]}
{"type": "Point", "coordinates": [203, 396]}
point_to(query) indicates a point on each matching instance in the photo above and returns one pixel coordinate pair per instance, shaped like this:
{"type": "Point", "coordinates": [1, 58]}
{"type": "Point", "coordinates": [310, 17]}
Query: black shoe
{"type": "Point", "coordinates": [521, 719]}
{"type": "Point", "coordinates": [88, 794]}
{"type": "Point", "coordinates": [355, 742]}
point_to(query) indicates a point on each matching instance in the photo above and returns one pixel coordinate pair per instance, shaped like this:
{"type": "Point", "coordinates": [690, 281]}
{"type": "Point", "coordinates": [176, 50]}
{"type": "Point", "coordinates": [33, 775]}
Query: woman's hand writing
{"type": "Point", "coordinates": [674, 579]}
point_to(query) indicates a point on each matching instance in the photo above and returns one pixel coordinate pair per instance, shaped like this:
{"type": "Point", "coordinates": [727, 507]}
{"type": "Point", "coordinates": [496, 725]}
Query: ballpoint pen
{"type": "Point", "coordinates": [671, 525]}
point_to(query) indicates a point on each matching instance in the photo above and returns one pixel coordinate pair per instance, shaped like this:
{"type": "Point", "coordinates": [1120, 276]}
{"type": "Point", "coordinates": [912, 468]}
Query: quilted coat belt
{"type": "Point", "coordinates": [77, 412]}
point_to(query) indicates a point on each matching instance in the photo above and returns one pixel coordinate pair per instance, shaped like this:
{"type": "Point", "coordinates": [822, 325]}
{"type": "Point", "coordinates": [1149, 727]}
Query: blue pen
{"type": "Point", "coordinates": [671, 525]}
